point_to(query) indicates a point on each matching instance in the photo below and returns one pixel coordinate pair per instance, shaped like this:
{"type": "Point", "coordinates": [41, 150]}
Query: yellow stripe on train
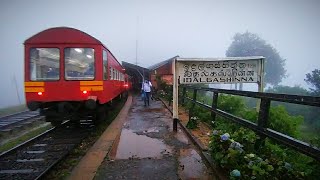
{"type": "Point", "coordinates": [26, 84]}
{"type": "Point", "coordinates": [91, 83]}
{"type": "Point", "coordinates": [34, 89]}
{"type": "Point", "coordinates": [91, 88]}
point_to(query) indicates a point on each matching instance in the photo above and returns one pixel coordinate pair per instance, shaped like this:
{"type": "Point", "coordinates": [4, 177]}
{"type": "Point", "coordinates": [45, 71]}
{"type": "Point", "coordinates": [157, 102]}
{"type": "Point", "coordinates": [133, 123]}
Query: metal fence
{"type": "Point", "coordinates": [261, 127]}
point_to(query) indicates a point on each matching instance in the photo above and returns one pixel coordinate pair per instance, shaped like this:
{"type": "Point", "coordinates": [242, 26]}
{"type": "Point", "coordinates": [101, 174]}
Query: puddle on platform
{"type": "Point", "coordinates": [132, 145]}
{"type": "Point", "coordinates": [151, 130]}
{"type": "Point", "coordinates": [153, 109]}
{"type": "Point", "coordinates": [191, 165]}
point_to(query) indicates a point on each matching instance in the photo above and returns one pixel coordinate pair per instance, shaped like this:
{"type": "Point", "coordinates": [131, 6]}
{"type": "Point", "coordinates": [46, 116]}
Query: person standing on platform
{"type": "Point", "coordinates": [146, 88]}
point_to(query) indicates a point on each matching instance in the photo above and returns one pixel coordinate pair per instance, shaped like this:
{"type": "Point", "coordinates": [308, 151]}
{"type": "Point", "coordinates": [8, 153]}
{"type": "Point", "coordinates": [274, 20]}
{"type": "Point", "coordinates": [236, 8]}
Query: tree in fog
{"type": "Point", "coordinates": [295, 90]}
{"type": "Point", "coordinates": [313, 79]}
{"type": "Point", "coordinates": [293, 109]}
{"type": "Point", "coordinates": [249, 44]}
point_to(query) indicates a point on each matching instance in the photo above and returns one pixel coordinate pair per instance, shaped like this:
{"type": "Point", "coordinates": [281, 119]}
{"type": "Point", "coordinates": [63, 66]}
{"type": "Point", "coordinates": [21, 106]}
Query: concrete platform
{"type": "Point", "coordinates": [146, 148]}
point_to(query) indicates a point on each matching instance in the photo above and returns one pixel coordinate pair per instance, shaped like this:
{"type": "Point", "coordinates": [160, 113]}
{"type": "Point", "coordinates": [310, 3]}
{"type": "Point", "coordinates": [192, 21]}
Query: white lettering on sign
{"type": "Point", "coordinates": [221, 71]}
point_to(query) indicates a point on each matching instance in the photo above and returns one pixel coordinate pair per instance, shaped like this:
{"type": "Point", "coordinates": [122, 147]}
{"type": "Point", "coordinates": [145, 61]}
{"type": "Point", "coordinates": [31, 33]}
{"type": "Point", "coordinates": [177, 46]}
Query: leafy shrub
{"type": "Point", "coordinates": [231, 104]}
{"type": "Point", "coordinates": [240, 160]}
{"type": "Point", "coordinates": [193, 123]}
{"type": "Point", "coordinates": [271, 160]}
{"type": "Point", "coordinates": [281, 121]}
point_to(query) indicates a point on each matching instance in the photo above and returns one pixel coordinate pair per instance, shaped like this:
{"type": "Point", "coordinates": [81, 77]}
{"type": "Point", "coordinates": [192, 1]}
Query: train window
{"type": "Point", "coordinates": [110, 73]}
{"type": "Point", "coordinates": [79, 63]}
{"type": "Point", "coordinates": [113, 74]}
{"type": "Point", "coordinates": [117, 74]}
{"type": "Point", "coordinates": [105, 65]}
{"type": "Point", "coordinates": [44, 64]}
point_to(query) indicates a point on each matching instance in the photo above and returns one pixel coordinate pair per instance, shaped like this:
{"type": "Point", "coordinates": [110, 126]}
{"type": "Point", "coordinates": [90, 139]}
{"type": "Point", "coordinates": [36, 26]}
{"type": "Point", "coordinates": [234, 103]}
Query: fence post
{"type": "Point", "coordinates": [263, 120]}
{"type": "Point", "coordinates": [193, 103]}
{"type": "Point", "coordinates": [214, 105]}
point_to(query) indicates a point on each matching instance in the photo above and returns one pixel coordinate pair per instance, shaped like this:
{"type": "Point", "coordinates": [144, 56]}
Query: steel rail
{"type": "Point", "coordinates": [68, 145]}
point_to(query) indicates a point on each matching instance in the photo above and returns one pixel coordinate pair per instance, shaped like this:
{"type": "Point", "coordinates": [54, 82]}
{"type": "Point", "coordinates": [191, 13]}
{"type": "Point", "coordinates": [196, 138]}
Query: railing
{"type": "Point", "coordinates": [261, 128]}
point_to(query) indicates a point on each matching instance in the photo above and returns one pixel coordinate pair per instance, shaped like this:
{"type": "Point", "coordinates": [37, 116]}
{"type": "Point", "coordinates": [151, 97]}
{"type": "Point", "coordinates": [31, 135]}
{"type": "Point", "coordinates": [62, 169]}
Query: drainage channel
{"type": "Point", "coordinates": [32, 159]}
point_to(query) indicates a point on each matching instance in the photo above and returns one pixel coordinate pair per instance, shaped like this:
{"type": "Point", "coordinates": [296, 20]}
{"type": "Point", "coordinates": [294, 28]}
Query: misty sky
{"type": "Point", "coordinates": [188, 28]}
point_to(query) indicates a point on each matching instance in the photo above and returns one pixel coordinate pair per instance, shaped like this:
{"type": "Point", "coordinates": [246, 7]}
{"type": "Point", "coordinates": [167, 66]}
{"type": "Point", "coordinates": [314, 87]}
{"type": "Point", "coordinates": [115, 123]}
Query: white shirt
{"type": "Point", "coordinates": [146, 87]}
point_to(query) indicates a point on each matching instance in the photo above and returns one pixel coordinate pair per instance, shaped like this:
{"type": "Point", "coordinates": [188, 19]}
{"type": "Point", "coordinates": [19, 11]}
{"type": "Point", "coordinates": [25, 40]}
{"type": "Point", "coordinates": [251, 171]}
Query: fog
{"type": "Point", "coordinates": [188, 28]}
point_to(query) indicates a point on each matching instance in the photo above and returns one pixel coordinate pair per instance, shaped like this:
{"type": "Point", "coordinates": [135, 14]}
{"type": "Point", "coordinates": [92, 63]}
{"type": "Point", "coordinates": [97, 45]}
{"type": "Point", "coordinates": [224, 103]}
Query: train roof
{"type": "Point", "coordinates": [64, 35]}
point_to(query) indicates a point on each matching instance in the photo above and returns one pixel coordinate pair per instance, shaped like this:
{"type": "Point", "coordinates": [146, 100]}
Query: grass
{"type": "Point", "coordinates": [23, 138]}
{"type": "Point", "coordinates": [63, 169]}
{"type": "Point", "coordinates": [13, 109]}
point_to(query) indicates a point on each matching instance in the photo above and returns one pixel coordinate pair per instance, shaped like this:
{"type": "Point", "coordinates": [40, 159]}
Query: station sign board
{"type": "Point", "coordinates": [215, 70]}
{"type": "Point", "coordinates": [219, 70]}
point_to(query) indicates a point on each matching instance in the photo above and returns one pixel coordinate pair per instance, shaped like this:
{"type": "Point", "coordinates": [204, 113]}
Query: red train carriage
{"type": "Point", "coordinates": [69, 73]}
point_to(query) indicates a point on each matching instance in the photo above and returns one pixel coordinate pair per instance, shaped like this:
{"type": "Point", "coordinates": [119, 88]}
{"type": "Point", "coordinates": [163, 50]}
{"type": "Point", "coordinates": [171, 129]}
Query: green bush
{"type": "Point", "coordinates": [281, 121]}
{"type": "Point", "coordinates": [192, 123]}
{"type": "Point", "coordinates": [233, 155]}
{"type": "Point", "coordinates": [271, 160]}
{"type": "Point", "coordinates": [231, 104]}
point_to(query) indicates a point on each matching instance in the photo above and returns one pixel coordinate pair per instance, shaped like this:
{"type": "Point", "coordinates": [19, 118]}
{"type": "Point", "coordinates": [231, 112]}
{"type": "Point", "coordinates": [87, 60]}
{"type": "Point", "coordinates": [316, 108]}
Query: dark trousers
{"type": "Point", "coordinates": [146, 98]}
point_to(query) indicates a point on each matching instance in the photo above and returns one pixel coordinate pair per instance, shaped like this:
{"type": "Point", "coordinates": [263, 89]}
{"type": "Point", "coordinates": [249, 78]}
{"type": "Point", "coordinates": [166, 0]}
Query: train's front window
{"type": "Point", "coordinates": [79, 63]}
{"type": "Point", "coordinates": [44, 64]}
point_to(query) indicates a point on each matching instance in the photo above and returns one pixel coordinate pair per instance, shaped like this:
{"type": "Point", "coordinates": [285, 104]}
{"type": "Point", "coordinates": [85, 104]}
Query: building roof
{"type": "Point", "coordinates": [156, 66]}
{"type": "Point", "coordinates": [126, 64]}
{"type": "Point", "coordinates": [135, 70]}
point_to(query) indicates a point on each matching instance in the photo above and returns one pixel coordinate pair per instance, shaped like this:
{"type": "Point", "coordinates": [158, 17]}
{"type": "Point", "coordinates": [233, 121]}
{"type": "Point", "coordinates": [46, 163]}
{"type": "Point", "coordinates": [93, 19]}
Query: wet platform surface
{"type": "Point", "coordinates": [148, 149]}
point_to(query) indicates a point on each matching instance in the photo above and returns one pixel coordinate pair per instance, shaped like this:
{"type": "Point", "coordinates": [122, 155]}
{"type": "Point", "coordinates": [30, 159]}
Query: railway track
{"type": "Point", "coordinates": [32, 159]}
{"type": "Point", "coordinates": [7, 123]}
